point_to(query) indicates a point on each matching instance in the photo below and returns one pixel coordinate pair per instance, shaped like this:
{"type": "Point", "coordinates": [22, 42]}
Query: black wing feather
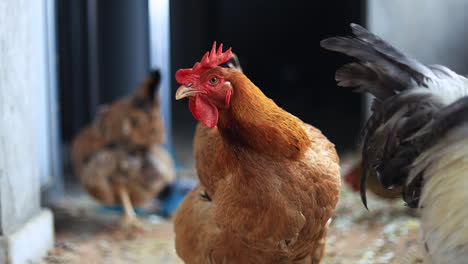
{"type": "Point", "coordinates": [391, 140]}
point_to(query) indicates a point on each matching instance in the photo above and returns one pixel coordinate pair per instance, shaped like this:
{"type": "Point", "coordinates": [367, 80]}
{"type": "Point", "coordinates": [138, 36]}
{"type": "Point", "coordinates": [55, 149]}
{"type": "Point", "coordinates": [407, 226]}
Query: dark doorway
{"type": "Point", "coordinates": [104, 53]}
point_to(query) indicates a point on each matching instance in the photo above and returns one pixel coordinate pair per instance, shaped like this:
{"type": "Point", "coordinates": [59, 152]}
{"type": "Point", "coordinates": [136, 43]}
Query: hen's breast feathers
{"type": "Point", "coordinates": [443, 197]}
{"type": "Point", "coordinates": [297, 197]}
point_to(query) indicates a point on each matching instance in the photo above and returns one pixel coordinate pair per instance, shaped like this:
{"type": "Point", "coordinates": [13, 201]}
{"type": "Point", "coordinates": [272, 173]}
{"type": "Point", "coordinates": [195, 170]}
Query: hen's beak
{"type": "Point", "coordinates": [185, 91]}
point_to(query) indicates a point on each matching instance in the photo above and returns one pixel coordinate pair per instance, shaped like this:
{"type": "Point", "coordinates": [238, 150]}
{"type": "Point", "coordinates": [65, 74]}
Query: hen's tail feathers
{"type": "Point", "coordinates": [447, 118]}
{"type": "Point", "coordinates": [234, 63]}
{"type": "Point", "coordinates": [382, 69]}
{"type": "Point", "coordinates": [404, 126]}
{"type": "Point", "coordinates": [362, 187]}
{"type": "Point", "coordinates": [155, 79]}
{"type": "Point", "coordinates": [150, 86]}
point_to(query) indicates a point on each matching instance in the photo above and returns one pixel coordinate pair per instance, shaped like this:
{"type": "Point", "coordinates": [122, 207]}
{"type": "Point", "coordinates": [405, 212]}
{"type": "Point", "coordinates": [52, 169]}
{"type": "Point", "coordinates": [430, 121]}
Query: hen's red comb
{"type": "Point", "coordinates": [210, 60]}
{"type": "Point", "coordinates": [213, 58]}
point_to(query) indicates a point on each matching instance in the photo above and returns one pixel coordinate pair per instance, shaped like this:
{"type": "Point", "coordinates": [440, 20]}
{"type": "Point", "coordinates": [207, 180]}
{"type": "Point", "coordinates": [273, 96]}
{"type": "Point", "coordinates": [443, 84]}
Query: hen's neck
{"type": "Point", "coordinates": [255, 122]}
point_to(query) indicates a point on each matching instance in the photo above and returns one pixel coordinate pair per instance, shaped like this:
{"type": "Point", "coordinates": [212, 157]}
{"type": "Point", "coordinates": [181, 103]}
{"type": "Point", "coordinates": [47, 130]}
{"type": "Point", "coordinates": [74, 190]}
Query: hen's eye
{"type": "Point", "coordinates": [204, 195]}
{"type": "Point", "coordinates": [213, 80]}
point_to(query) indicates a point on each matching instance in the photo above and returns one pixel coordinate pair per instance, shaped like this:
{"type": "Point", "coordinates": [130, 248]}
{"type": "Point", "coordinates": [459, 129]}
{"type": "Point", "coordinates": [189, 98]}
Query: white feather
{"type": "Point", "coordinates": [446, 84]}
{"type": "Point", "coordinates": [444, 196]}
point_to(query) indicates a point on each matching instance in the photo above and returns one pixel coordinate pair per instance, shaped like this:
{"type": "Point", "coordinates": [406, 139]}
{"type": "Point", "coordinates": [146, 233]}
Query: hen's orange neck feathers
{"type": "Point", "coordinates": [254, 121]}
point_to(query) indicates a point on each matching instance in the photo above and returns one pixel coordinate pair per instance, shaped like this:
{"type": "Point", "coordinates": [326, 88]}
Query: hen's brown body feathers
{"type": "Point", "coordinates": [273, 182]}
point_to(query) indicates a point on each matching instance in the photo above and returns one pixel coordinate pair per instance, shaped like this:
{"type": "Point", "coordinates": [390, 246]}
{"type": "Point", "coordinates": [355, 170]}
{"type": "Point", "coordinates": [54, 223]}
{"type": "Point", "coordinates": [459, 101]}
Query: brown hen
{"type": "Point", "coordinates": [119, 158]}
{"type": "Point", "coordinates": [269, 183]}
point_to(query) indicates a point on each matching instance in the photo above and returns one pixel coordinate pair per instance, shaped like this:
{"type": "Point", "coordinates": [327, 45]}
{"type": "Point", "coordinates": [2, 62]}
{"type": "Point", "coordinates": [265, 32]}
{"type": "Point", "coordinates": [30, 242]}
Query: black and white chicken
{"type": "Point", "coordinates": [416, 137]}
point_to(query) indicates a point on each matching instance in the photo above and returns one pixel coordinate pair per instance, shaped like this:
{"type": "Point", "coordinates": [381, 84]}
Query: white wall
{"type": "Point", "coordinates": [432, 31]}
{"type": "Point", "coordinates": [20, 113]}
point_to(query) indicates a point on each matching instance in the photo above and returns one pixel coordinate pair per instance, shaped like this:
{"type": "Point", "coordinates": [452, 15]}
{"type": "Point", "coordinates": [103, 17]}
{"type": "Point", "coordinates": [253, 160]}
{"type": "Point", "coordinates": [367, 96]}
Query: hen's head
{"type": "Point", "coordinates": [206, 86]}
